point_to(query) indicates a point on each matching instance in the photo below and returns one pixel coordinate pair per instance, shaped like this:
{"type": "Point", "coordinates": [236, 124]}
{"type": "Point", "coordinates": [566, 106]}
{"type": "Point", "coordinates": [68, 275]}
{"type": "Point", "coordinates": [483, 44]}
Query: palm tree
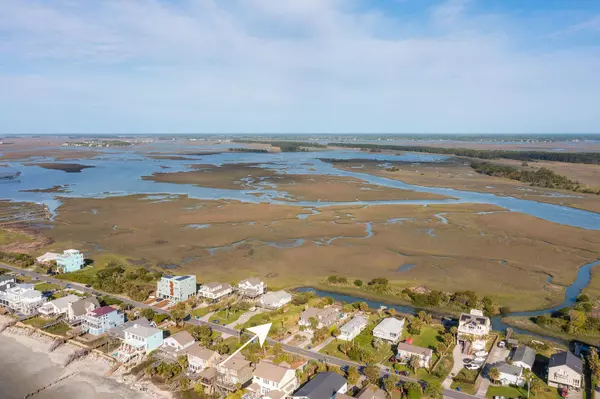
{"type": "Point", "coordinates": [414, 363]}
{"type": "Point", "coordinates": [454, 332]}
{"type": "Point", "coordinates": [494, 374]}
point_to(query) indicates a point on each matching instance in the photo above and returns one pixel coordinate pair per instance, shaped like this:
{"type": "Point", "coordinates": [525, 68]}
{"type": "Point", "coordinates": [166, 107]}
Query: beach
{"type": "Point", "coordinates": [27, 366]}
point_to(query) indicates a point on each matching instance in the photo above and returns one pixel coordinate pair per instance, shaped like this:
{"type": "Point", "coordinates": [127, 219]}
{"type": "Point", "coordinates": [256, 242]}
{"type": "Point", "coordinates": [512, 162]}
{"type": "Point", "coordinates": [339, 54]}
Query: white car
{"type": "Point", "coordinates": [472, 366]}
{"type": "Point", "coordinates": [481, 354]}
{"type": "Point", "coordinates": [479, 360]}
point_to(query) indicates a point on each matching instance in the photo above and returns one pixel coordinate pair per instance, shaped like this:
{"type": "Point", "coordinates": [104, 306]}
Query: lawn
{"type": "Point", "coordinates": [200, 312]}
{"type": "Point", "coordinates": [58, 329]}
{"type": "Point", "coordinates": [365, 341]}
{"type": "Point", "coordinates": [514, 392]}
{"type": "Point", "coordinates": [37, 321]}
{"type": "Point", "coordinates": [284, 320]}
{"type": "Point", "coordinates": [46, 287]}
{"type": "Point", "coordinates": [427, 338]}
{"type": "Point", "coordinates": [225, 317]}
{"type": "Point", "coordinates": [465, 380]}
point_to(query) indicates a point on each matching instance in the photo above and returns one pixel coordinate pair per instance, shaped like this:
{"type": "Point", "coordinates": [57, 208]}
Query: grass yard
{"type": "Point", "coordinates": [465, 380]}
{"type": "Point", "coordinates": [58, 329]}
{"type": "Point", "coordinates": [225, 317]}
{"type": "Point", "coordinates": [37, 321]}
{"type": "Point", "coordinates": [46, 287]}
{"type": "Point", "coordinates": [285, 321]}
{"type": "Point", "coordinates": [514, 392]}
{"type": "Point", "coordinates": [365, 341]}
{"type": "Point", "coordinates": [427, 338]}
{"type": "Point", "coordinates": [200, 312]}
{"type": "Point", "coordinates": [11, 236]}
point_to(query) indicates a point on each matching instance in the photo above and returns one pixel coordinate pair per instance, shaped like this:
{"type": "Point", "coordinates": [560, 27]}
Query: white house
{"type": "Point", "coordinates": [351, 329]}
{"type": "Point", "coordinates": [139, 340]}
{"type": "Point", "coordinates": [389, 329]}
{"type": "Point", "coordinates": [77, 310]}
{"type": "Point", "coordinates": [46, 258]}
{"type": "Point", "coordinates": [406, 351]}
{"type": "Point", "coordinates": [179, 341]}
{"type": "Point", "coordinates": [474, 324]}
{"type": "Point", "coordinates": [215, 291]}
{"type": "Point", "coordinates": [272, 381]}
{"type": "Point", "coordinates": [69, 261]}
{"type": "Point", "coordinates": [21, 298]}
{"type": "Point", "coordinates": [323, 386]}
{"type": "Point", "coordinates": [275, 299]}
{"type": "Point", "coordinates": [251, 287]}
{"type": "Point", "coordinates": [509, 374]}
{"type": "Point", "coordinates": [200, 358]}
{"type": "Point", "coordinates": [58, 306]}
{"type": "Point", "coordinates": [524, 357]}
{"type": "Point", "coordinates": [565, 369]}
{"type": "Point", "coordinates": [176, 288]}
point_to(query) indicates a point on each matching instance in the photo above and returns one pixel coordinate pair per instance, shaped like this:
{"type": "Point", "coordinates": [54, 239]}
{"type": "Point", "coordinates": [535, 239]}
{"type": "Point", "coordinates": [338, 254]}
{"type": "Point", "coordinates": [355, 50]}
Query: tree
{"type": "Point", "coordinates": [414, 363]}
{"type": "Point", "coordinates": [277, 349]}
{"type": "Point", "coordinates": [372, 373]}
{"type": "Point", "coordinates": [390, 383]}
{"type": "Point", "coordinates": [353, 375]}
{"type": "Point", "coordinates": [199, 389]}
{"type": "Point", "coordinates": [535, 385]}
{"type": "Point", "coordinates": [314, 323]}
{"type": "Point", "coordinates": [433, 389]}
{"type": "Point", "coordinates": [148, 313]}
{"type": "Point", "coordinates": [494, 374]}
{"type": "Point", "coordinates": [179, 313]}
{"type": "Point", "coordinates": [424, 317]}
{"type": "Point", "coordinates": [358, 283]}
{"type": "Point", "coordinates": [412, 389]}
{"type": "Point", "coordinates": [184, 383]}
{"type": "Point", "coordinates": [332, 279]}
{"type": "Point", "coordinates": [414, 326]}
{"type": "Point", "coordinates": [346, 346]}
{"type": "Point", "coordinates": [377, 343]}
{"type": "Point", "coordinates": [594, 362]}
{"type": "Point", "coordinates": [454, 332]}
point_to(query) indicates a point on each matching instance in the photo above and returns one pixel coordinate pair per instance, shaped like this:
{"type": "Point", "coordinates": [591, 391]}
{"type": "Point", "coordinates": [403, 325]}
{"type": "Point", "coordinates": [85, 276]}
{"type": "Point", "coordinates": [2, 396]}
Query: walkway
{"type": "Point", "coordinates": [458, 357]}
{"type": "Point", "coordinates": [322, 344]}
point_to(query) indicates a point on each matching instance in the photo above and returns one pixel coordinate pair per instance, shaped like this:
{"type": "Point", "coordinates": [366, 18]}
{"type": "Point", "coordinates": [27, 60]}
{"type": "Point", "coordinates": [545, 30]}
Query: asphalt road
{"type": "Point", "coordinates": [231, 331]}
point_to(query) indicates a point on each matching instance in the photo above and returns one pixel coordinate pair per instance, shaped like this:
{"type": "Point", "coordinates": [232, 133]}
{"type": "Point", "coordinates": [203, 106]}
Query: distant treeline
{"type": "Point", "coordinates": [571, 157]}
{"type": "Point", "coordinates": [260, 150]}
{"type": "Point", "coordinates": [285, 146]}
{"type": "Point", "coordinates": [541, 177]}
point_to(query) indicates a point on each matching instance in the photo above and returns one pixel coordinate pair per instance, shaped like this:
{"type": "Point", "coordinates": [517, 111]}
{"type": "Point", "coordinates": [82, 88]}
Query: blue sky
{"type": "Point", "coordinates": [277, 66]}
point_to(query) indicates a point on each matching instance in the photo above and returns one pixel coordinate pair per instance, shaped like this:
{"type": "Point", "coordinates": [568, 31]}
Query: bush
{"type": "Point", "coordinates": [358, 283]}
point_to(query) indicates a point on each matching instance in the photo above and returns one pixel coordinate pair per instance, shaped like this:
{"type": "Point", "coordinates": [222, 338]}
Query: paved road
{"type": "Point", "coordinates": [223, 329]}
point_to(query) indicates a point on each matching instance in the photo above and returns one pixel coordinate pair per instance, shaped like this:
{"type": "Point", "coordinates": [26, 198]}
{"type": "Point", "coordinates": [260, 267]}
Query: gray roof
{"type": "Point", "coordinates": [356, 322]}
{"type": "Point", "coordinates": [274, 296]}
{"type": "Point", "coordinates": [64, 301]}
{"type": "Point", "coordinates": [371, 392]}
{"type": "Point", "coordinates": [183, 338]}
{"type": "Point", "coordinates": [7, 278]}
{"type": "Point", "coordinates": [566, 359]}
{"type": "Point", "coordinates": [322, 386]}
{"type": "Point", "coordinates": [251, 280]}
{"type": "Point", "coordinates": [119, 331]}
{"type": "Point", "coordinates": [142, 331]}
{"type": "Point", "coordinates": [417, 350]}
{"type": "Point", "coordinates": [524, 354]}
{"type": "Point", "coordinates": [391, 324]}
{"type": "Point", "coordinates": [79, 306]}
{"type": "Point", "coordinates": [511, 369]}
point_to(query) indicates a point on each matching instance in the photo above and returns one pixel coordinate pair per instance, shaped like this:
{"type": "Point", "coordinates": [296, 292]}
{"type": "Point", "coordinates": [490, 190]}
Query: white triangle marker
{"type": "Point", "coordinates": [261, 333]}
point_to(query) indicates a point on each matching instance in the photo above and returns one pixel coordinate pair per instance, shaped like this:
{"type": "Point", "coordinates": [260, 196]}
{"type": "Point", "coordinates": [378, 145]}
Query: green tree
{"type": "Point", "coordinates": [594, 362]}
{"type": "Point", "coordinates": [346, 346]}
{"type": "Point", "coordinates": [535, 385]}
{"type": "Point", "coordinates": [179, 313]}
{"type": "Point", "coordinates": [358, 283]}
{"type": "Point", "coordinates": [372, 373]}
{"type": "Point", "coordinates": [390, 384]}
{"type": "Point", "coordinates": [494, 374]}
{"type": "Point", "coordinates": [414, 363]}
{"type": "Point", "coordinates": [353, 375]}
{"type": "Point", "coordinates": [148, 313]}
{"type": "Point", "coordinates": [199, 388]}
{"type": "Point", "coordinates": [424, 317]}
{"type": "Point", "coordinates": [433, 389]}
{"type": "Point", "coordinates": [314, 323]}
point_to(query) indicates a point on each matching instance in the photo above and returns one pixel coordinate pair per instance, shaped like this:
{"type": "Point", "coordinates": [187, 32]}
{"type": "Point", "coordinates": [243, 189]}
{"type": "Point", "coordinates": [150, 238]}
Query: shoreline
{"type": "Point", "coordinates": [29, 367]}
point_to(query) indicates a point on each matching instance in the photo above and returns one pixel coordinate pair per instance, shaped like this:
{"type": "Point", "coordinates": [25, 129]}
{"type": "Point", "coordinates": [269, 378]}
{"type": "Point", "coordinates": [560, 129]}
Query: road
{"type": "Point", "coordinates": [448, 393]}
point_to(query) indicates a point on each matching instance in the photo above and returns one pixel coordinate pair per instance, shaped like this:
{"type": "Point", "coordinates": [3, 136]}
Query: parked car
{"type": "Point", "coordinates": [404, 373]}
{"type": "Point", "coordinates": [467, 360]}
{"type": "Point", "coordinates": [215, 321]}
{"type": "Point", "coordinates": [502, 344]}
{"type": "Point", "coordinates": [472, 366]}
{"type": "Point", "coordinates": [481, 354]}
{"type": "Point", "coordinates": [479, 360]}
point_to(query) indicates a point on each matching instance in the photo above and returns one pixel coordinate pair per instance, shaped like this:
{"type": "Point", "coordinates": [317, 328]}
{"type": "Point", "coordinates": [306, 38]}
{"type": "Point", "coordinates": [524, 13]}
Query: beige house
{"type": "Point", "coordinates": [179, 341]}
{"type": "Point", "coordinates": [236, 370]}
{"type": "Point", "coordinates": [406, 351]}
{"type": "Point", "coordinates": [272, 381]}
{"type": "Point", "coordinates": [565, 369]}
{"type": "Point", "coordinates": [200, 358]}
{"type": "Point", "coordinates": [325, 317]}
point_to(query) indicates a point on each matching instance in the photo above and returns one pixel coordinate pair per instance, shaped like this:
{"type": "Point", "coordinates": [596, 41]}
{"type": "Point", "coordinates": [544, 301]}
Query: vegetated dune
{"type": "Point", "coordinates": [454, 247]}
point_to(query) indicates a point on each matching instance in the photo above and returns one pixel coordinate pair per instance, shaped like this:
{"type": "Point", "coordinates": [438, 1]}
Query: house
{"type": "Point", "coordinates": [100, 320]}
{"type": "Point", "coordinates": [324, 317]}
{"type": "Point", "coordinates": [200, 358]}
{"type": "Point", "coordinates": [176, 288]}
{"type": "Point", "coordinates": [71, 260]}
{"type": "Point", "coordinates": [180, 341]}
{"type": "Point", "coordinates": [21, 298]}
{"type": "Point", "coordinates": [523, 357]}
{"type": "Point", "coordinates": [58, 306]}
{"type": "Point", "coordinates": [7, 282]}
{"type": "Point", "coordinates": [473, 329]}
{"type": "Point", "coordinates": [47, 258]}
{"type": "Point", "coordinates": [77, 310]}
{"type": "Point", "coordinates": [406, 351]}
{"type": "Point", "coordinates": [389, 329]}
{"type": "Point", "coordinates": [351, 329]}
{"type": "Point", "coordinates": [119, 331]}
{"type": "Point", "coordinates": [139, 341]}
{"type": "Point", "coordinates": [215, 291]}
{"type": "Point", "coordinates": [234, 371]}
{"type": "Point", "coordinates": [510, 374]}
{"type": "Point", "coordinates": [272, 381]}
{"type": "Point", "coordinates": [323, 386]}
{"type": "Point", "coordinates": [565, 369]}
{"type": "Point", "coordinates": [251, 287]}
{"type": "Point", "coordinates": [275, 299]}
{"type": "Point", "coordinates": [371, 392]}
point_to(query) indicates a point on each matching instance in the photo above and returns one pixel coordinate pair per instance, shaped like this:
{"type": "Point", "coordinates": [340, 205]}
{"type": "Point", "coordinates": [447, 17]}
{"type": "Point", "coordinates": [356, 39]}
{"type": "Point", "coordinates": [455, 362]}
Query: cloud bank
{"type": "Point", "coordinates": [277, 66]}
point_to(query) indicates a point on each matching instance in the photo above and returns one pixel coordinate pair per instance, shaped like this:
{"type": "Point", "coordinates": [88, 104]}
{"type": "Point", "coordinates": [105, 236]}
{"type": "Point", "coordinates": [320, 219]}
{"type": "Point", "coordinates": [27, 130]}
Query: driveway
{"type": "Point", "coordinates": [458, 357]}
{"type": "Point", "coordinates": [496, 355]}
{"type": "Point", "coordinates": [244, 318]}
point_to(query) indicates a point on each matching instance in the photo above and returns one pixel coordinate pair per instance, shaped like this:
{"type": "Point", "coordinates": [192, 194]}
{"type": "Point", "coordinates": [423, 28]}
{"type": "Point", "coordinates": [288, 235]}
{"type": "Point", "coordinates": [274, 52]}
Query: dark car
{"type": "Point", "coordinates": [215, 321]}
{"type": "Point", "coordinates": [404, 373]}
{"type": "Point", "coordinates": [467, 360]}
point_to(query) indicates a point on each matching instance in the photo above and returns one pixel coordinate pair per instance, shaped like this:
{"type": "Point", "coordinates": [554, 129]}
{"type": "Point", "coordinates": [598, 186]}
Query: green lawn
{"type": "Point", "coordinates": [365, 341]}
{"type": "Point", "coordinates": [37, 321]}
{"type": "Point", "coordinates": [464, 387]}
{"type": "Point", "coordinates": [427, 338]}
{"type": "Point", "coordinates": [46, 287]}
{"type": "Point", "coordinates": [284, 320]}
{"type": "Point", "coordinates": [513, 392]}
{"type": "Point", "coordinates": [225, 317]}
{"type": "Point", "coordinates": [58, 329]}
{"type": "Point", "coordinates": [200, 312]}
{"type": "Point", "coordinates": [465, 380]}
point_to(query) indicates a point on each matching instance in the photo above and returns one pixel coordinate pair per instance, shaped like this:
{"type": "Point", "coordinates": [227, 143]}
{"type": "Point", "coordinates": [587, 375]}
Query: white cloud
{"type": "Point", "coordinates": [289, 66]}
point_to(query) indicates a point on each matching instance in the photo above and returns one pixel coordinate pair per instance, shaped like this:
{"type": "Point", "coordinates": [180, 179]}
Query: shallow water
{"type": "Point", "coordinates": [119, 173]}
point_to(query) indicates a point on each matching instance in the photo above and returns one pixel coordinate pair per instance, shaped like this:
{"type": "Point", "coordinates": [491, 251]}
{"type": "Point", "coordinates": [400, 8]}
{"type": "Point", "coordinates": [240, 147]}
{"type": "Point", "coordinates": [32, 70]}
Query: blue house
{"type": "Point", "coordinates": [139, 340]}
{"type": "Point", "coordinates": [70, 261]}
{"type": "Point", "coordinates": [99, 321]}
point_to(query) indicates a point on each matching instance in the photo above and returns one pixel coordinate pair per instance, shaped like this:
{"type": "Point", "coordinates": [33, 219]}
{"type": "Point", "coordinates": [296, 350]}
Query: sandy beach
{"type": "Point", "coordinates": [27, 365]}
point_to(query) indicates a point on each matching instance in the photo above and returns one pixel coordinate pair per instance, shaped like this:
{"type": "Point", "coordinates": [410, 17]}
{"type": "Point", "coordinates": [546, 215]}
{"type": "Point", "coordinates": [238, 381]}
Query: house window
{"type": "Point", "coordinates": [575, 382]}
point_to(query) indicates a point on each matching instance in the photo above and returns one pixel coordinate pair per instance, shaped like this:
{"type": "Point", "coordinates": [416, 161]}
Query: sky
{"type": "Point", "coordinates": [299, 66]}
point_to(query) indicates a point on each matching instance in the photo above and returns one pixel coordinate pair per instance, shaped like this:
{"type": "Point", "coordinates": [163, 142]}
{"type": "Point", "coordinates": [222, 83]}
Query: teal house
{"type": "Point", "coordinates": [71, 260]}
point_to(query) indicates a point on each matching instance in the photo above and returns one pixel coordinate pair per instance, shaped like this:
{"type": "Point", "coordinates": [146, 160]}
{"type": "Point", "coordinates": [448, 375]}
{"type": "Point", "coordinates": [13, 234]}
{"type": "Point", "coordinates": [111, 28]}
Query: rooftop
{"type": "Point", "coordinates": [356, 322]}
{"type": "Point", "coordinates": [524, 354]}
{"type": "Point", "coordinates": [270, 371]}
{"type": "Point", "coordinates": [102, 311]}
{"type": "Point", "coordinates": [119, 331]}
{"type": "Point", "coordinates": [391, 324]}
{"type": "Point", "coordinates": [566, 359]}
{"type": "Point", "coordinates": [323, 385]}
{"type": "Point", "coordinates": [142, 330]}
{"type": "Point", "coordinates": [183, 337]}
{"type": "Point", "coordinates": [200, 352]}
{"type": "Point", "coordinates": [418, 350]}
{"type": "Point", "coordinates": [510, 369]}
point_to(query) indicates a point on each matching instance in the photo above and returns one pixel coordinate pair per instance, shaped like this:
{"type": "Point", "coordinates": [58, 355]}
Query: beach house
{"type": "Point", "coordinates": [275, 299]}
{"type": "Point", "coordinates": [473, 329]}
{"type": "Point", "coordinates": [326, 385]}
{"type": "Point", "coordinates": [176, 288]}
{"type": "Point", "coordinates": [251, 287]}
{"type": "Point", "coordinates": [100, 320]}
{"type": "Point", "coordinates": [58, 306]}
{"type": "Point", "coordinates": [200, 358]}
{"type": "Point", "coordinates": [179, 341]}
{"type": "Point", "coordinates": [21, 298]}
{"type": "Point", "coordinates": [139, 340]}
{"type": "Point", "coordinates": [565, 369]}
{"type": "Point", "coordinates": [510, 374]}
{"type": "Point", "coordinates": [406, 351]}
{"type": "Point", "coordinates": [271, 381]}
{"type": "Point", "coordinates": [77, 310]}
{"type": "Point", "coordinates": [70, 261]}
{"type": "Point", "coordinates": [390, 329]}
{"type": "Point", "coordinates": [524, 357]}
{"type": "Point", "coordinates": [215, 291]}
{"type": "Point", "coordinates": [323, 317]}
{"type": "Point", "coordinates": [234, 371]}
{"type": "Point", "coordinates": [351, 329]}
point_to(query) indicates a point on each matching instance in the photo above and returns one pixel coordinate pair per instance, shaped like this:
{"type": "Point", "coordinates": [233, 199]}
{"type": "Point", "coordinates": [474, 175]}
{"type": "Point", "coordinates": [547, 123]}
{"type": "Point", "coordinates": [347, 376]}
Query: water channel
{"type": "Point", "coordinates": [571, 293]}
